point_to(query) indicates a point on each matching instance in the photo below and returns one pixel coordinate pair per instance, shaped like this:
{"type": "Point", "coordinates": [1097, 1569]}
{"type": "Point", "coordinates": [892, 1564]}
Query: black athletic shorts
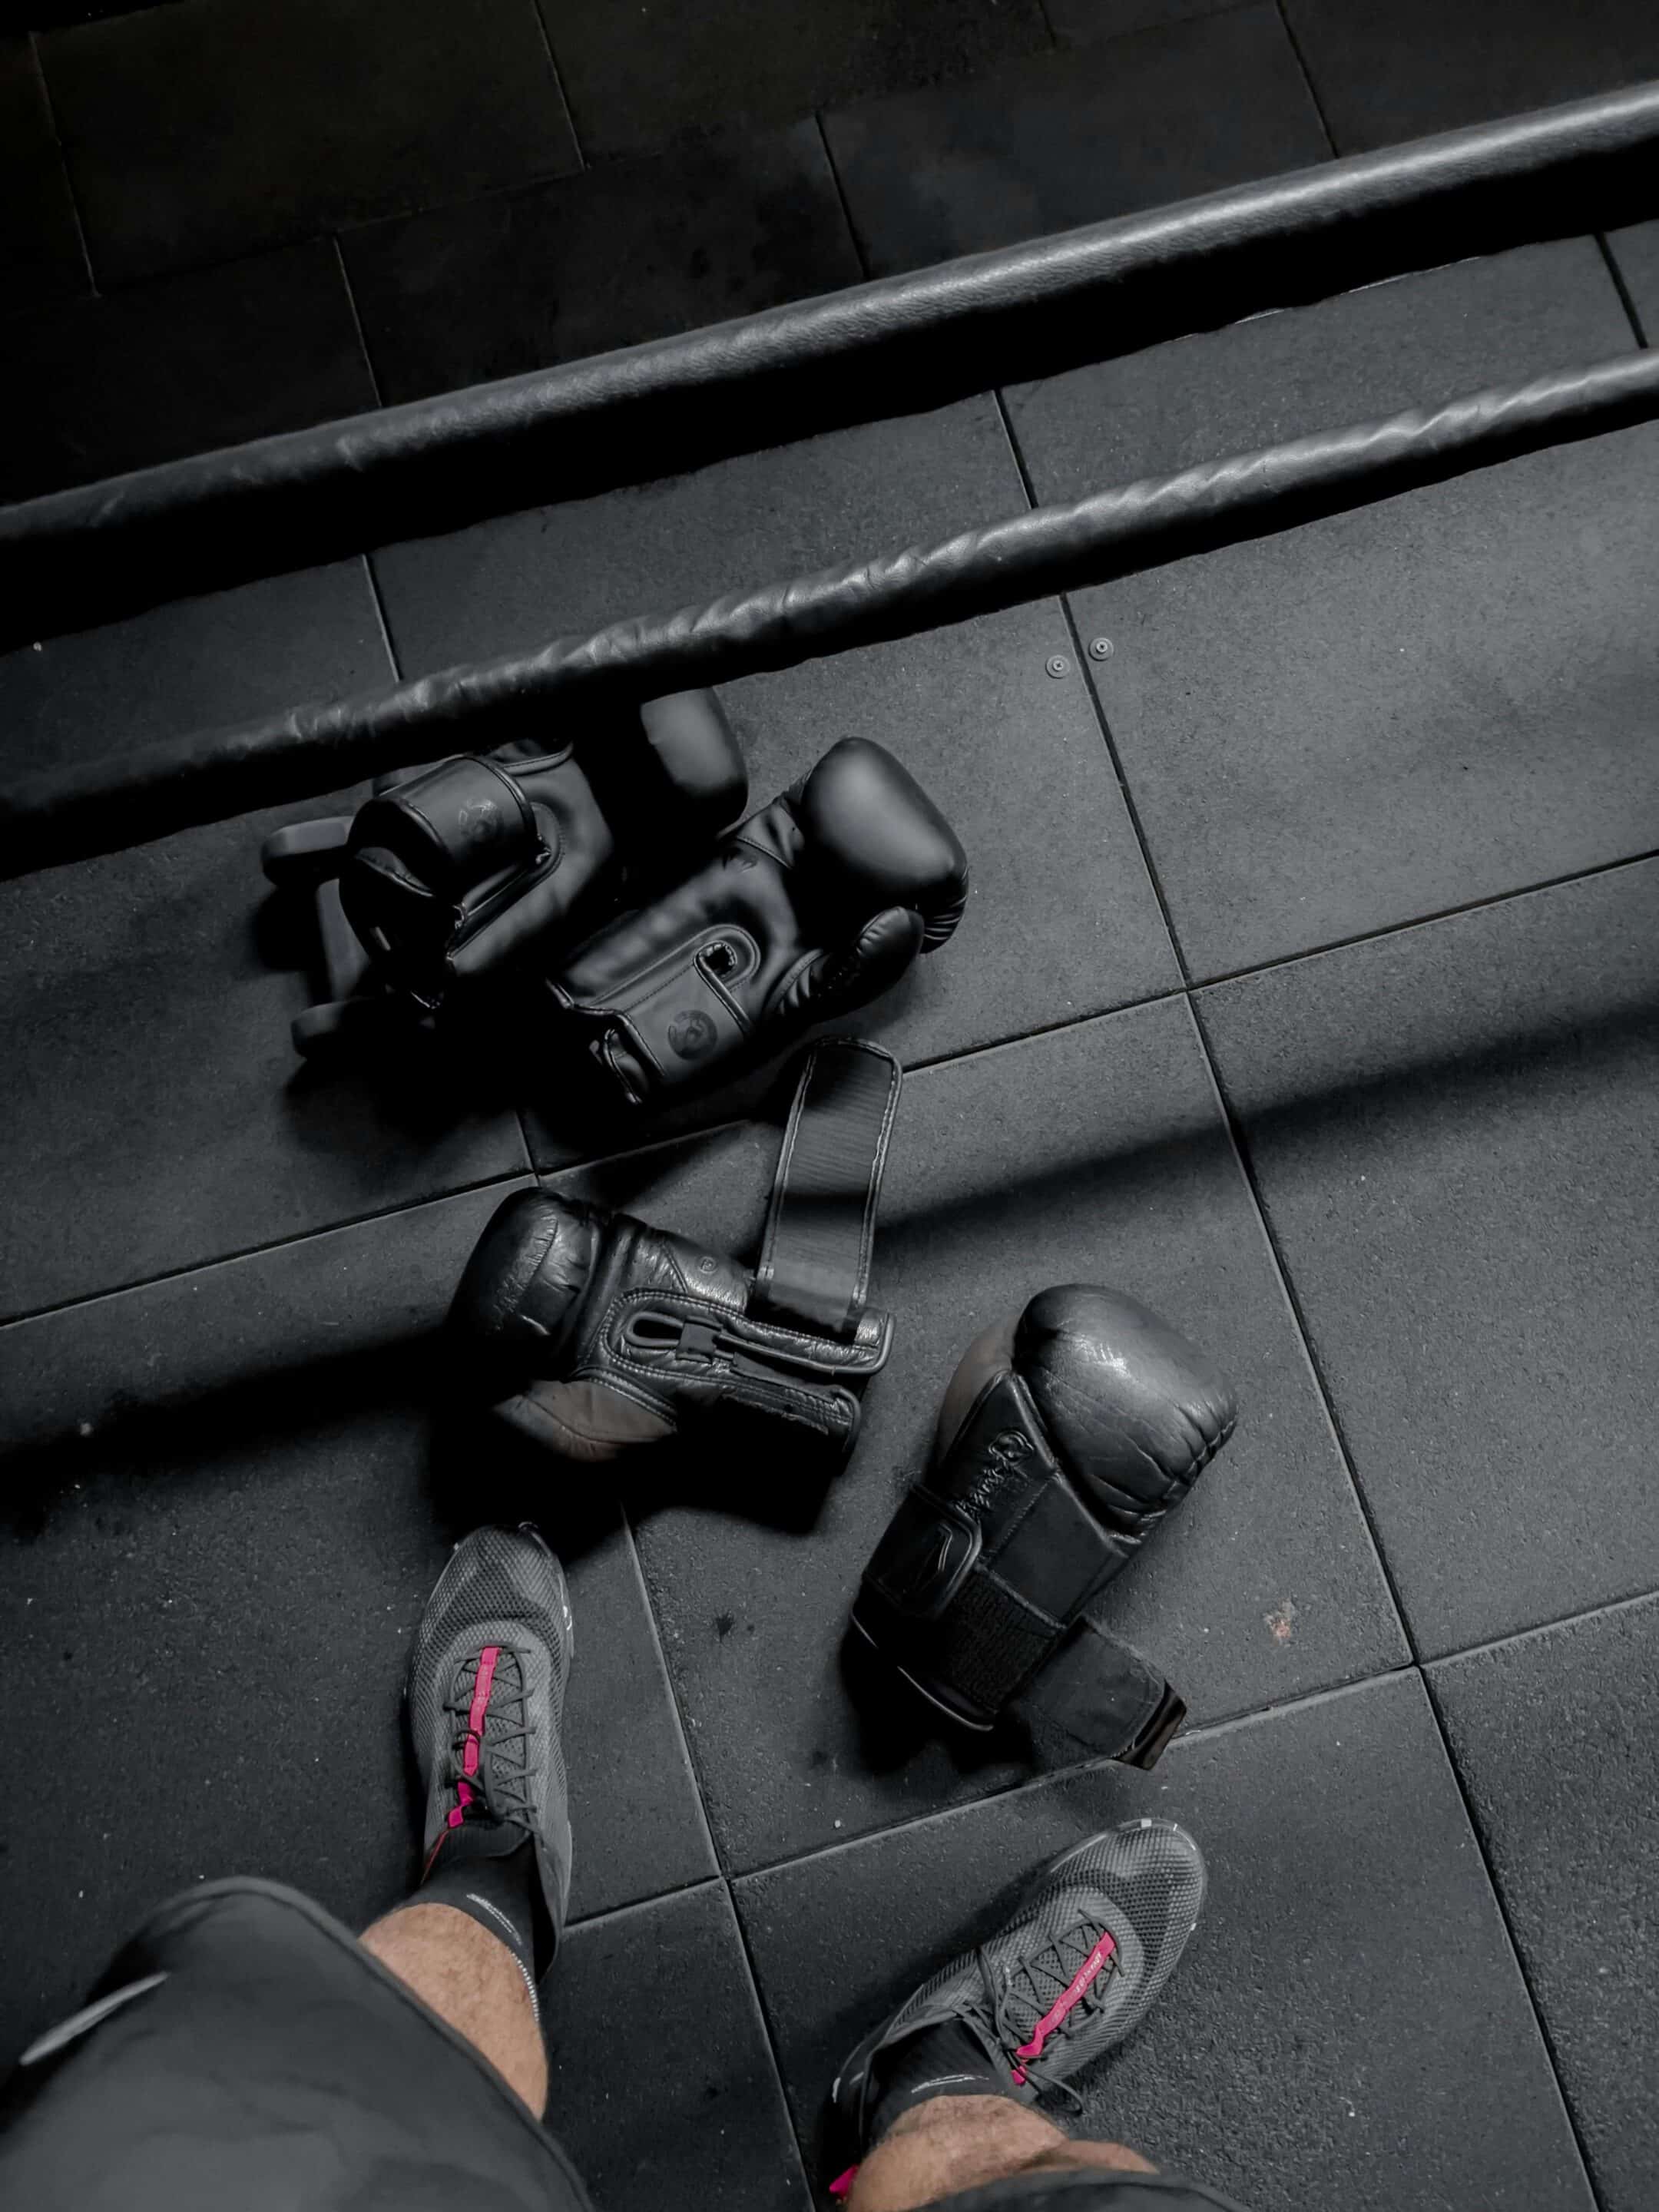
{"type": "Point", "coordinates": [244, 2053]}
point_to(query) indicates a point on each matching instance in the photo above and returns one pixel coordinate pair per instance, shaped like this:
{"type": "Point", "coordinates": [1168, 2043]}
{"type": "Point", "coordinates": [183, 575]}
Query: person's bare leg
{"type": "Point", "coordinates": [952, 2143]}
{"type": "Point", "coordinates": [473, 1982]}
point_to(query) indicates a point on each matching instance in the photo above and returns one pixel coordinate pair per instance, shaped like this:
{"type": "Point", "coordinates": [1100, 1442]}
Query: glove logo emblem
{"type": "Point", "coordinates": [691, 1034]}
{"type": "Point", "coordinates": [477, 819]}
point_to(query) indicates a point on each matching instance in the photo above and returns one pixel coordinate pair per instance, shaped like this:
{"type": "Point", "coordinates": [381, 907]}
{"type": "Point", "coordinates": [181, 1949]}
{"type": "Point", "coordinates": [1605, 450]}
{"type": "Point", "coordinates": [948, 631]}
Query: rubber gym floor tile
{"type": "Point", "coordinates": [669, 1984]}
{"type": "Point", "coordinates": [1437, 699]}
{"type": "Point", "coordinates": [633, 251]}
{"type": "Point", "coordinates": [514, 582]}
{"type": "Point", "coordinates": [40, 256]}
{"type": "Point", "coordinates": [1093, 1153]}
{"type": "Point", "coordinates": [209, 128]}
{"type": "Point", "coordinates": [192, 665]}
{"type": "Point", "coordinates": [691, 65]}
{"type": "Point", "coordinates": [1554, 1735]}
{"type": "Point", "coordinates": [179, 366]}
{"type": "Point", "coordinates": [228, 1498]}
{"type": "Point", "coordinates": [150, 1081]}
{"type": "Point", "coordinates": [1361, 355]}
{"type": "Point", "coordinates": [1077, 20]}
{"type": "Point", "coordinates": [146, 1070]}
{"type": "Point", "coordinates": [1636, 253]}
{"type": "Point", "coordinates": [1388, 69]}
{"type": "Point", "coordinates": [1073, 136]}
{"type": "Point", "coordinates": [1348, 2026]}
{"type": "Point", "coordinates": [1454, 1130]}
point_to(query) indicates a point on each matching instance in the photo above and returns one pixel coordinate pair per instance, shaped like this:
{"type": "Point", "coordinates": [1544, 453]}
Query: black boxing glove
{"type": "Point", "coordinates": [592, 1333]}
{"type": "Point", "coordinates": [813, 906]}
{"type": "Point", "coordinates": [1065, 1437]}
{"type": "Point", "coordinates": [607, 1333]}
{"type": "Point", "coordinates": [453, 870]}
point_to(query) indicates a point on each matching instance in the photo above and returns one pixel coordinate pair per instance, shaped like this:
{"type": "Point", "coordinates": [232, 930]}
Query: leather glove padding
{"type": "Point", "coordinates": [1064, 1437]}
{"type": "Point", "coordinates": [452, 871]}
{"type": "Point", "coordinates": [593, 1334]}
{"type": "Point", "coordinates": [813, 906]}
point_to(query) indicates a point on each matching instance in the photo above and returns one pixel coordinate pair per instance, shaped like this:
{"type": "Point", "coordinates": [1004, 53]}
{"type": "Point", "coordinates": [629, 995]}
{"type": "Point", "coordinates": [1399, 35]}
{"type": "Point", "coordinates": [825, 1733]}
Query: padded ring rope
{"type": "Point", "coordinates": [876, 349]}
{"type": "Point", "coordinates": [126, 800]}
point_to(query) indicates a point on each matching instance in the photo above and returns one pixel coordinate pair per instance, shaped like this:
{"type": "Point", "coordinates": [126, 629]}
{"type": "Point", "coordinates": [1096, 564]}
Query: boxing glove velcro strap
{"type": "Point", "coordinates": [976, 1590]}
{"type": "Point", "coordinates": [776, 1371]}
{"type": "Point", "coordinates": [678, 1013]}
{"type": "Point", "coordinates": [814, 1268]}
{"type": "Point", "coordinates": [462, 823]}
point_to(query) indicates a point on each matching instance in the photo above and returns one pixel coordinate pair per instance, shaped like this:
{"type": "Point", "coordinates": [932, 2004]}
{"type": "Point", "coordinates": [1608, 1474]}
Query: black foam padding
{"type": "Point", "coordinates": [1454, 1130]}
{"type": "Point", "coordinates": [1438, 698]}
{"type": "Point", "coordinates": [209, 358]}
{"type": "Point", "coordinates": [1389, 70]}
{"type": "Point", "coordinates": [1096, 1154]}
{"type": "Point", "coordinates": [227, 1497]}
{"type": "Point", "coordinates": [1348, 2017]}
{"type": "Point", "coordinates": [40, 256]}
{"type": "Point", "coordinates": [1554, 1736]}
{"type": "Point", "coordinates": [700, 63]}
{"type": "Point", "coordinates": [631, 251]}
{"type": "Point", "coordinates": [1073, 138]}
{"type": "Point", "coordinates": [212, 128]}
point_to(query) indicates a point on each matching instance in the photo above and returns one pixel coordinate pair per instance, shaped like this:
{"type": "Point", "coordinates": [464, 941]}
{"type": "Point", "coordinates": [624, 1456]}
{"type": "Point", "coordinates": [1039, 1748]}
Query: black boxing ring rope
{"type": "Point", "coordinates": [876, 349]}
{"type": "Point", "coordinates": [68, 814]}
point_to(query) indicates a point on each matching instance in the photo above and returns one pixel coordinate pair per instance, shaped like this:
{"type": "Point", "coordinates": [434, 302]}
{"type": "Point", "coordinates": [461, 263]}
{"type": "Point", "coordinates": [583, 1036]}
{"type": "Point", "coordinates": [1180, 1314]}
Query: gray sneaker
{"type": "Point", "coordinates": [1096, 1938]}
{"type": "Point", "coordinates": [486, 1695]}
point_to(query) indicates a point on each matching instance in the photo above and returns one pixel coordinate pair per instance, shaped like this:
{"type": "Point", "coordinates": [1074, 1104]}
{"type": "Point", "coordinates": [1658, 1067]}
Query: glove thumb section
{"type": "Point", "coordinates": [848, 975]}
{"type": "Point", "coordinates": [582, 1421]}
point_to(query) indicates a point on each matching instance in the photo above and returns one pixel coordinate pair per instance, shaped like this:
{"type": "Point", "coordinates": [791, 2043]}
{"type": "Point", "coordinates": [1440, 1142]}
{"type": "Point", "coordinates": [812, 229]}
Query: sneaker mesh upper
{"type": "Point", "coordinates": [1143, 1885]}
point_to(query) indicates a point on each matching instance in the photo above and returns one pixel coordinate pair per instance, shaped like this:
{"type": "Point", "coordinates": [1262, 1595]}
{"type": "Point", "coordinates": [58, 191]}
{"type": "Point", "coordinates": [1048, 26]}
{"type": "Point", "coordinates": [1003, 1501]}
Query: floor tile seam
{"type": "Point", "coordinates": [1282, 10]}
{"type": "Point", "coordinates": [1051, 1779]}
{"type": "Point", "coordinates": [1522, 1968]}
{"type": "Point", "coordinates": [202, 1267]}
{"type": "Point", "coordinates": [682, 1726]}
{"type": "Point", "coordinates": [368, 360]}
{"type": "Point", "coordinates": [1432, 921]}
{"type": "Point", "coordinates": [803, 2148]}
{"type": "Point", "coordinates": [74, 198]}
{"type": "Point", "coordinates": [314, 229]}
{"type": "Point", "coordinates": [1441, 1662]}
{"type": "Point", "coordinates": [1068, 616]}
{"type": "Point", "coordinates": [1623, 289]}
{"type": "Point", "coordinates": [565, 108]}
{"type": "Point", "coordinates": [1302, 1326]}
{"type": "Point", "coordinates": [636, 1906]}
{"type": "Point", "coordinates": [842, 201]}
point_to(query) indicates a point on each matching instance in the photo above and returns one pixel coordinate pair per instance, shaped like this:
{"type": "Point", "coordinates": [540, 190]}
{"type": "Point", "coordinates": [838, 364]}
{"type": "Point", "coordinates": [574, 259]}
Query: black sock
{"type": "Point", "coordinates": [482, 1870]}
{"type": "Point", "coordinates": [946, 2061]}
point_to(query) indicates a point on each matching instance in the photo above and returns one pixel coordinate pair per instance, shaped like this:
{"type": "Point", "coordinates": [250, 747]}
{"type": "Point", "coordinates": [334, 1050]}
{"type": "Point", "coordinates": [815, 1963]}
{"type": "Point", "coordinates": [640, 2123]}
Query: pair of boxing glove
{"type": "Point", "coordinates": [1068, 1434]}
{"type": "Point", "coordinates": [708, 958]}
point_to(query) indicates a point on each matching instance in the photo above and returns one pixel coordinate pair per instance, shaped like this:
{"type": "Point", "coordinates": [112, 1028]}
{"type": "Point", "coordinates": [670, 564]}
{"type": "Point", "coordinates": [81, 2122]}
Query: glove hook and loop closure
{"type": "Point", "coordinates": [1066, 1438]}
{"type": "Point", "coordinates": [610, 1333]}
